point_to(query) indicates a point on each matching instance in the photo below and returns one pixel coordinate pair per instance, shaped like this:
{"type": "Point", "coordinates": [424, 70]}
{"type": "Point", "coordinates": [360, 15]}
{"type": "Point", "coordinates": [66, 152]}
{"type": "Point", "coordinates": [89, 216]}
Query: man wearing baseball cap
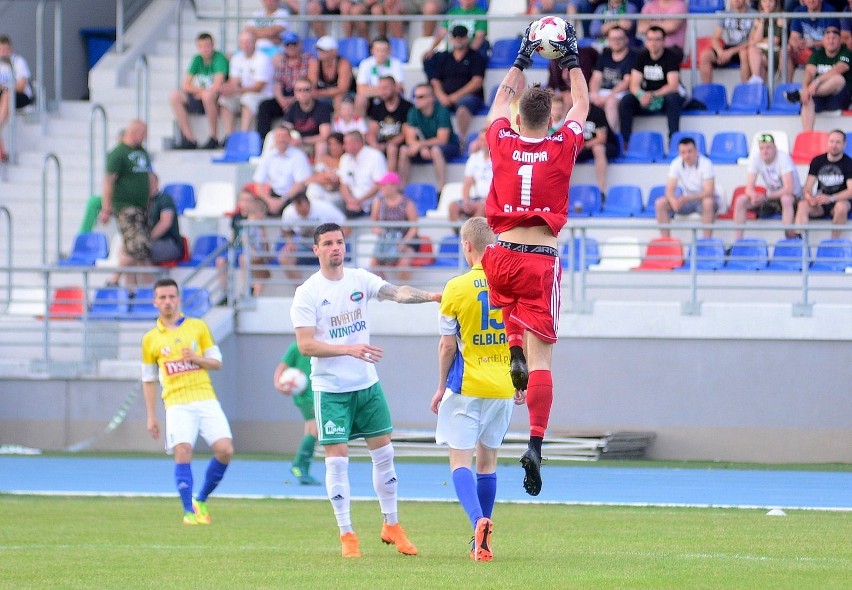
{"type": "Point", "coordinates": [330, 73]}
{"type": "Point", "coordinates": [827, 84]}
{"type": "Point", "coordinates": [289, 67]}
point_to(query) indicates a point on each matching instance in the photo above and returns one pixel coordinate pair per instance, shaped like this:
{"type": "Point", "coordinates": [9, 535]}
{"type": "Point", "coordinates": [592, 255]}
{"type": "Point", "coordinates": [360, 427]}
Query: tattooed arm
{"type": "Point", "coordinates": [406, 294]}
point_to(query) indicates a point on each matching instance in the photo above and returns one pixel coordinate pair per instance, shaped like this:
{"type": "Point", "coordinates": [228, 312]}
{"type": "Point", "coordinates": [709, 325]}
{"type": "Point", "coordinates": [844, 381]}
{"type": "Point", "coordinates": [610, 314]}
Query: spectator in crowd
{"type": "Point", "coordinates": [654, 85]}
{"type": "Point", "coordinates": [199, 93]}
{"type": "Point", "coordinates": [674, 28]}
{"type": "Point", "coordinates": [345, 119]}
{"type": "Point", "coordinates": [693, 175]}
{"type": "Point", "coordinates": [14, 82]}
{"type": "Point", "coordinates": [311, 118]}
{"type": "Point", "coordinates": [806, 34]}
{"type": "Point", "coordinates": [466, 14]}
{"type": "Point", "coordinates": [361, 28]}
{"type": "Point", "coordinates": [613, 12]}
{"type": "Point", "coordinates": [729, 42]}
{"type": "Point", "coordinates": [289, 67]}
{"type": "Point", "coordinates": [387, 113]}
{"type": "Point", "coordinates": [611, 77]}
{"type": "Point", "coordinates": [828, 187]}
{"type": "Point", "coordinates": [361, 167]}
{"type": "Point", "coordinates": [282, 173]}
{"type": "Point", "coordinates": [477, 181]}
{"type": "Point", "coordinates": [782, 186]}
{"type": "Point", "coordinates": [827, 83]}
{"type": "Point", "coordinates": [758, 50]}
{"type": "Point", "coordinates": [166, 241]}
{"type": "Point", "coordinates": [846, 27]}
{"type": "Point", "coordinates": [249, 83]}
{"type": "Point", "coordinates": [374, 68]}
{"type": "Point", "coordinates": [270, 22]}
{"type": "Point", "coordinates": [456, 79]}
{"type": "Point", "coordinates": [330, 74]}
{"type": "Point", "coordinates": [323, 8]}
{"type": "Point", "coordinates": [324, 183]}
{"type": "Point", "coordinates": [429, 136]}
{"type": "Point", "coordinates": [571, 7]}
{"type": "Point", "coordinates": [300, 219]}
{"type": "Point", "coordinates": [256, 250]}
{"type": "Point", "coordinates": [424, 7]}
{"type": "Point", "coordinates": [396, 244]}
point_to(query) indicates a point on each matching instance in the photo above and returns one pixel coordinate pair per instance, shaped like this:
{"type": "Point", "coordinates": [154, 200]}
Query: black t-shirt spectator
{"type": "Point", "coordinates": [455, 74]}
{"type": "Point", "coordinates": [595, 121]}
{"type": "Point", "coordinates": [390, 123]}
{"type": "Point", "coordinates": [308, 123]}
{"type": "Point", "coordinates": [831, 176]}
{"type": "Point", "coordinates": [613, 71]}
{"type": "Point", "coordinates": [655, 71]}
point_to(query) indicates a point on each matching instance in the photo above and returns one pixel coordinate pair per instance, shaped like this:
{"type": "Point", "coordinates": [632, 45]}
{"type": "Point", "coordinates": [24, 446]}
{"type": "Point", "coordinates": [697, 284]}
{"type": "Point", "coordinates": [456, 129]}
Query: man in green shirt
{"type": "Point", "coordinates": [827, 82]}
{"type": "Point", "coordinates": [199, 93]}
{"type": "Point", "coordinates": [429, 136]}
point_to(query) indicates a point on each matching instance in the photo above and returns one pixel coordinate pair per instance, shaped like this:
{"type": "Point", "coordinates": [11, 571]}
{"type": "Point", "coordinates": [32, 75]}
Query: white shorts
{"type": "Point", "coordinates": [250, 100]}
{"type": "Point", "coordinates": [463, 421]}
{"type": "Point", "coordinates": [607, 92]}
{"type": "Point", "coordinates": [184, 422]}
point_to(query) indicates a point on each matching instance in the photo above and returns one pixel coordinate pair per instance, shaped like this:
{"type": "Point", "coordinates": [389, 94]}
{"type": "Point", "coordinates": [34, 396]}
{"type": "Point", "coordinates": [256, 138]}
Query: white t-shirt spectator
{"type": "Point", "coordinates": [261, 20]}
{"type": "Point", "coordinates": [252, 69]}
{"type": "Point", "coordinates": [479, 168]}
{"type": "Point", "coordinates": [361, 173]}
{"type": "Point", "coordinates": [21, 70]}
{"type": "Point", "coordinates": [691, 179]}
{"type": "Point", "coordinates": [369, 72]}
{"type": "Point", "coordinates": [772, 174]}
{"type": "Point", "coordinates": [282, 171]}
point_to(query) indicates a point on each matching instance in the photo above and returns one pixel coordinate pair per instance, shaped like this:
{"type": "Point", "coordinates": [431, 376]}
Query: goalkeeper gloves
{"type": "Point", "coordinates": [568, 48]}
{"type": "Point", "coordinates": [524, 59]}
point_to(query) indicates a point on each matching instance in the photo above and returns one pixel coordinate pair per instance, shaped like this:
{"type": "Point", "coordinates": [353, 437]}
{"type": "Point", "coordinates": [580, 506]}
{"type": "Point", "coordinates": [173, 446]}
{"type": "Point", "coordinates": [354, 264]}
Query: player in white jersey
{"type": "Point", "coordinates": [329, 314]}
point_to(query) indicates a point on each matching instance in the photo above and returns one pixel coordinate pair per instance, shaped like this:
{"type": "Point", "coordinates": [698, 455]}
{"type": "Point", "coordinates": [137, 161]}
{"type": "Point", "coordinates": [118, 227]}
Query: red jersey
{"type": "Point", "coordinates": [531, 177]}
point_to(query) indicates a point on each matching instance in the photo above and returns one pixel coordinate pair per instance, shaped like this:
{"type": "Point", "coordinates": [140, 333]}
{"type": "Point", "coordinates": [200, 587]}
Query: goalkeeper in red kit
{"type": "Point", "coordinates": [527, 206]}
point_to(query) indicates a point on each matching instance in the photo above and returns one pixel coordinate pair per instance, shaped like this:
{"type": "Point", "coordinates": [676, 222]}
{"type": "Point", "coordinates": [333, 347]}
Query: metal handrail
{"type": "Point", "coordinates": [96, 108]}
{"type": "Point", "coordinates": [13, 120]}
{"type": "Point", "coordinates": [51, 157]}
{"type": "Point", "coordinates": [119, 26]}
{"type": "Point", "coordinates": [4, 212]}
{"type": "Point", "coordinates": [41, 87]}
{"type": "Point", "coordinates": [143, 103]}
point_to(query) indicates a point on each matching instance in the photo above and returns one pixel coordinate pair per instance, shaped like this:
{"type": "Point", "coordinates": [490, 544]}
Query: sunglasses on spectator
{"type": "Point", "coordinates": [416, 96]}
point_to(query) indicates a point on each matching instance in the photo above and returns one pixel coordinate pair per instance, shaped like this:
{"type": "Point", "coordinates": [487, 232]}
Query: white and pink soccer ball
{"type": "Point", "coordinates": [294, 378]}
{"type": "Point", "coordinates": [548, 28]}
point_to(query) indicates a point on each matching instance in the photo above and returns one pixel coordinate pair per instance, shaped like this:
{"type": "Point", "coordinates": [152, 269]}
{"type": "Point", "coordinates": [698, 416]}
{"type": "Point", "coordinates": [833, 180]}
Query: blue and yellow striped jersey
{"type": "Point", "coordinates": [481, 365]}
{"type": "Point", "coordinates": [182, 381]}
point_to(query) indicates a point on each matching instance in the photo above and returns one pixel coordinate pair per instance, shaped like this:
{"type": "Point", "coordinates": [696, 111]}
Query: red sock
{"type": "Point", "coordinates": [539, 401]}
{"type": "Point", "coordinates": [514, 331]}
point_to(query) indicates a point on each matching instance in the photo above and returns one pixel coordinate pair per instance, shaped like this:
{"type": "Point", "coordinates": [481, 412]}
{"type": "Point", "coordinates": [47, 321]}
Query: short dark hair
{"type": "Point", "coordinates": [301, 197]}
{"type": "Point", "coordinates": [656, 29]}
{"type": "Point", "coordinates": [324, 229]}
{"type": "Point", "coordinates": [534, 106]}
{"type": "Point", "coordinates": [167, 282]}
{"type": "Point", "coordinates": [5, 40]}
{"type": "Point", "coordinates": [842, 133]}
{"type": "Point", "coordinates": [204, 37]}
{"type": "Point", "coordinates": [686, 141]}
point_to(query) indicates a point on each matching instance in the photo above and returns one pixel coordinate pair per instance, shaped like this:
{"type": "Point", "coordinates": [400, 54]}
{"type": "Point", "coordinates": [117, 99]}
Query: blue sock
{"type": "Point", "coordinates": [486, 489]}
{"type": "Point", "coordinates": [183, 479]}
{"type": "Point", "coordinates": [466, 491]}
{"type": "Point", "coordinates": [215, 472]}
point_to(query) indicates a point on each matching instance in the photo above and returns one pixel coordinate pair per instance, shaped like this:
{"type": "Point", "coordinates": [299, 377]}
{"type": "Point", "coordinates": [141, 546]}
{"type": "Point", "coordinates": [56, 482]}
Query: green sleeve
{"type": "Point", "coordinates": [291, 357]}
{"type": "Point", "coordinates": [220, 64]}
{"type": "Point", "coordinates": [195, 66]}
{"type": "Point", "coordinates": [115, 161]}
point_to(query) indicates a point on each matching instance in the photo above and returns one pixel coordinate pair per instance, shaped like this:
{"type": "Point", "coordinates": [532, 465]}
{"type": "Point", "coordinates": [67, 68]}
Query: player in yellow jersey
{"type": "Point", "coordinates": [475, 392]}
{"type": "Point", "coordinates": [178, 353]}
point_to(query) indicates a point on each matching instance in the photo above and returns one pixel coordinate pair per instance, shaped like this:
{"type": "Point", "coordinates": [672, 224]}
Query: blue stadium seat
{"type": "Point", "coordinates": [646, 147]}
{"type": "Point", "coordinates": [787, 256]}
{"type": "Point", "coordinates": [448, 252]}
{"type": "Point", "coordinates": [309, 45]}
{"type": "Point", "coordinates": [88, 247]}
{"type": "Point", "coordinates": [833, 255]}
{"type": "Point", "coordinates": [195, 301]}
{"type": "Point", "coordinates": [748, 254]}
{"type": "Point", "coordinates": [142, 306]}
{"type": "Point", "coordinates": [728, 146]}
{"type": "Point", "coordinates": [355, 49]}
{"type": "Point", "coordinates": [592, 252]}
{"type": "Point", "coordinates": [622, 200]}
{"type": "Point", "coordinates": [780, 106]}
{"type": "Point", "coordinates": [205, 245]}
{"type": "Point", "coordinates": [709, 255]}
{"type": "Point", "coordinates": [240, 146]}
{"type": "Point", "coordinates": [182, 194]}
{"type": "Point", "coordinates": [424, 195]}
{"type": "Point", "coordinates": [584, 200]}
{"type": "Point", "coordinates": [696, 136]}
{"type": "Point", "coordinates": [714, 97]}
{"type": "Point", "coordinates": [110, 303]}
{"type": "Point", "coordinates": [706, 6]}
{"type": "Point", "coordinates": [399, 48]}
{"type": "Point", "coordinates": [656, 192]}
{"type": "Point", "coordinates": [748, 99]}
{"type": "Point", "coordinates": [504, 52]}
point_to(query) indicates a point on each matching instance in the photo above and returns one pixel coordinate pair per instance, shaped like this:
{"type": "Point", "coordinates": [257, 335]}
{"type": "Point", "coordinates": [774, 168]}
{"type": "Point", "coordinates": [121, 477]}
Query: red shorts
{"type": "Point", "coordinates": [527, 286]}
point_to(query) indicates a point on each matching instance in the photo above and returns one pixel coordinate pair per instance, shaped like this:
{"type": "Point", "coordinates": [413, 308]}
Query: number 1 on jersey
{"type": "Point", "coordinates": [525, 172]}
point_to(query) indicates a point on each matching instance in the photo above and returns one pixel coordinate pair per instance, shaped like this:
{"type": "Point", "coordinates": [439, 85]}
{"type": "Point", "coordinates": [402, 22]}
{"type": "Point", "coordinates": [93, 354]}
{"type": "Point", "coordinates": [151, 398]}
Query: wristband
{"type": "Point", "coordinates": [522, 62]}
{"type": "Point", "coordinates": [569, 62]}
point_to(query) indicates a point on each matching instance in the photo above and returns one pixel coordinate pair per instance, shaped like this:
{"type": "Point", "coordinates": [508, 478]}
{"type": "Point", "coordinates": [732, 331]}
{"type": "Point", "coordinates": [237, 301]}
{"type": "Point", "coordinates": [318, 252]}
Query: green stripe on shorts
{"type": "Point", "coordinates": [342, 417]}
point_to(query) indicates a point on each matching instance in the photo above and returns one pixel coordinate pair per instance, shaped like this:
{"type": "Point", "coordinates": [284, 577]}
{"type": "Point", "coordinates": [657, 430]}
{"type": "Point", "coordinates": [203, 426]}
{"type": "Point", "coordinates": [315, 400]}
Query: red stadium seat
{"type": "Point", "coordinates": [739, 193]}
{"type": "Point", "coordinates": [662, 254]}
{"type": "Point", "coordinates": [808, 145]}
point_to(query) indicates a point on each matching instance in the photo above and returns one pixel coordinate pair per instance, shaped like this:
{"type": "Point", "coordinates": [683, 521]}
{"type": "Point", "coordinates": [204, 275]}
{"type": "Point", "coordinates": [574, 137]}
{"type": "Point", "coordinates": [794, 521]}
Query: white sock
{"type": "Point", "coordinates": [337, 486]}
{"type": "Point", "coordinates": [384, 481]}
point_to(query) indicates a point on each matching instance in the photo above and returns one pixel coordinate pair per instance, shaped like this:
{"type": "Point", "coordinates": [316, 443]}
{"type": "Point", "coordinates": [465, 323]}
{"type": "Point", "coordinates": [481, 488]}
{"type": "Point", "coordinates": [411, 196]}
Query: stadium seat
{"type": "Point", "coordinates": [646, 147]}
{"type": "Point", "coordinates": [748, 99]}
{"type": "Point", "coordinates": [655, 193]}
{"type": "Point", "coordinates": [451, 192]}
{"type": "Point", "coordinates": [419, 46]}
{"type": "Point", "coordinates": [111, 261]}
{"type": "Point", "coordinates": [448, 252]}
{"type": "Point", "coordinates": [665, 253]}
{"type": "Point", "coordinates": [399, 48]}
{"type": "Point", "coordinates": [709, 255]}
{"type": "Point", "coordinates": [584, 200]}
{"type": "Point", "coordinates": [848, 149]}
{"type": "Point", "coordinates": [88, 247]}
{"type": "Point", "coordinates": [240, 146]}
{"type": "Point", "coordinates": [592, 253]}
{"type": "Point", "coordinates": [833, 255]}
{"type": "Point", "coordinates": [355, 49]}
{"type": "Point", "coordinates": [110, 303]}
{"type": "Point", "coordinates": [779, 105]}
{"type": "Point", "coordinates": [503, 53]}
{"type": "Point", "coordinates": [182, 194]}
{"type": "Point", "coordinates": [706, 6]}
{"type": "Point", "coordinates": [622, 200]}
{"type": "Point", "coordinates": [728, 147]}
{"type": "Point", "coordinates": [619, 254]}
{"type": "Point", "coordinates": [142, 306]}
{"type": "Point", "coordinates": [195, 301]}
{"type": "Point", "coordinates": [204, 246]}
{"type": "Point", "coordinates": [185, 257]}
{"type": "Point", "coordinates": [714, 97]}
{"type": "Point", "coordinates": [748, 254]}
{"type": "Point", "coordinates": [215, 199]}
{"type": "Point", "coordinates": [739, 193]}
{"type": "Point", "coordinates": [787, 256]}
{"type": "Point", "coordinates": [696, 136]}
{"type": "Point", "coordinates": [425, 253]}
{"type": "Point", "coordinates": [808, 145]}
{"type": "Point", "coordinates": [68, 303]}
{"type": "Point", "coordinates": [309, 45]}
{"type": "Point", "coordinates": [424, 195]}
